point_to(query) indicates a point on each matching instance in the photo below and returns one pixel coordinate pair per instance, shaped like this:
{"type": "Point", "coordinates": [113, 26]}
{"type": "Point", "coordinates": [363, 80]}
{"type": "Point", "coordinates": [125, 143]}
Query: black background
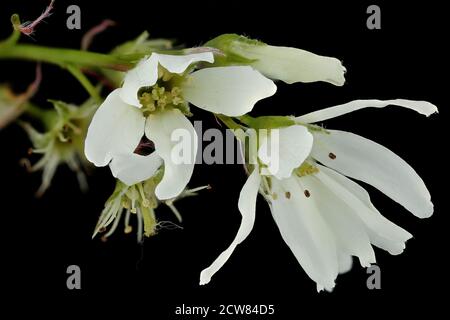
{"type": "Point", "coordinates": [407, 58]}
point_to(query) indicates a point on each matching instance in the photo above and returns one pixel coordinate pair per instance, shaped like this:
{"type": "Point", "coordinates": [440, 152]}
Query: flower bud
{"type": "Point", "coordinates": [279, 63]}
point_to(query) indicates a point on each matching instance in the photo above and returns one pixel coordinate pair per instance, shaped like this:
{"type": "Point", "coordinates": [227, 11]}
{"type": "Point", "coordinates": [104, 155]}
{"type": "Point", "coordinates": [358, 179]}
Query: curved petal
{"type": "Point", "coordinates": [382, 232]}
{"type": "Point", "coordinates": [305, 232]}
{"type": "Point", "coordinates": [131, 168]}
{"type": "Point", "coordinates": [232, 91]}
{"type": "Point", "coordinates": [365, 160]}
{"type": "Point", "coordinates": [296, 65]}
{"type": "Point", "coordinates": [285, 149]}
{"type": "Point", "coordinates": [143, 75]}
{"type": "Point", "coordinates": [422, 107]}
{"type": "Point", "coordinates": [247, 208]}
{"type": "Point", "coordinates": [179, 64]}
{"type": "Point", "coordinates": [349, 231]}
{"type": "Point", "coordinates": [176, 143]}
{"type": "Point", "coordinates": [115, 128]}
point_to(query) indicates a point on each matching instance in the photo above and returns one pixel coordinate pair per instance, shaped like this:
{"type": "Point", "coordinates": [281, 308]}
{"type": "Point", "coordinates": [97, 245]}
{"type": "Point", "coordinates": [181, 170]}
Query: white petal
{"type": "Point", "coordinates": [161, 128]}
{"type": "Point", "coordinates": [247, 208]}
{"type": "Point", "coordinates": [345, 263]}
{"type": "Point", "coordinates": [349, 231]}
{"type": "Point", "coordinates": [422, 107]}
{"type": "Point", "coordinates": [382, 232]}
{"type": "Point", "coordinates": [305, 232]}
{"type": "Point", "coordinates": [365, 160]}
{"type": "Point", "coordinates": [145, 74]}
{"type": "Point", "coordinates": [179, 64]}
{"type": "Point", "coordinates": [295, 65]}
{"type": "Point", "coordinates": [115, 128]}
{"type": "Point", "coordinates": [232, 91]}
{"type": "Point", "coordinates": [132, 168]}
{"type": "Point", "coordinates": [285, 149]}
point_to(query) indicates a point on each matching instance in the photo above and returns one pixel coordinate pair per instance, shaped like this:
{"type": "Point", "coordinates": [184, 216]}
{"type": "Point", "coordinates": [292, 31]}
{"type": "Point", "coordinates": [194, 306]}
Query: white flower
{"type": "Point", "coordinates": [62, 142]}
{"type": "Point", "coordinates": [287, 64]}
{"type": "Point", "coordinates": [324, 217]}
{"type": "Point", "coordinates": [152, 103]}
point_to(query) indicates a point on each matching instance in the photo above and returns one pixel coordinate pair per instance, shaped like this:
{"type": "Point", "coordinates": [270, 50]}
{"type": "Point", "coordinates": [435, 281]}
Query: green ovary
{"type": "Point", "coordinates": [164, 94]}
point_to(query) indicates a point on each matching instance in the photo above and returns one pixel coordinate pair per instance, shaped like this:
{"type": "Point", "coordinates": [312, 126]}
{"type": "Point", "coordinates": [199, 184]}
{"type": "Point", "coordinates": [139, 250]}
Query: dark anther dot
{"type": "Point", "coordinates": [288, 195]}
{"type": "Point", "coordinates": [145, 147]}
{"type": "Point", "coordinates": [332, 156]}
{"type": "Point", "coordinates": [307, 194]}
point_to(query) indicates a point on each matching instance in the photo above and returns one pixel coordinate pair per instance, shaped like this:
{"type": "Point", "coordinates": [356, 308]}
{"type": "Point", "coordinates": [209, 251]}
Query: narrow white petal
{"type": "Point", "coordinates": [247, 207]}
{"type": "Point", "coordinates": [232, 91]}
{"type": "Point", "coordinates": [382, 232]}
{"type": "Point", "coordinates": [179, 64]}
{"type": "Point", "coordinates": [365, 160]}
{"type": "Point", "coordinates": [169, 130]}
{"type": "Point", "coordinates": [285, 149]}
{"type": "Point", "coordinates": [132, 168]}
{"type": "Point", "coordinates": [143, 75]}
{"type": "Point", "coordinates": [422, 107]}
{"type": "Point", "coordinates": [349, 231]}
{"type": "Point", "coordinates": [304, 231]}
{"type": "Point", "coordinates": [296, 65]}
{"type": "Point", "coordinates": [115, 128]}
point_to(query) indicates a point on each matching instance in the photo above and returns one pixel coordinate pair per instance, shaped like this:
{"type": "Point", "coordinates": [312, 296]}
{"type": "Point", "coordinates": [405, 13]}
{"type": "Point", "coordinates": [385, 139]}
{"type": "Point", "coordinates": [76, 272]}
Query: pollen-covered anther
{"type": "Point", "coordinates": [159, 98]}
{"type": "Point", "coordinates": [306, 169]}
{"type": "Point", "coordinates": [125, 204]}
{"type": "Point", "coordinates": [145, 201]}
{"type": "Point", "coordinates": [162, 102]}
{"type": "Point", "coordinates": [176, 91]}
{"type": "Point", "coordinates": [147, 102]}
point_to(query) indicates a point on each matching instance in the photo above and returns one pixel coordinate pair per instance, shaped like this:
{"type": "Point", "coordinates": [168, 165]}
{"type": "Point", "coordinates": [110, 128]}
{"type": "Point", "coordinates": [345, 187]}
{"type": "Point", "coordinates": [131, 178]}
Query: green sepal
{"type": "Point", "coordinates": [267, 122]}
{"type": "Point", "coordinates": [229, 44]}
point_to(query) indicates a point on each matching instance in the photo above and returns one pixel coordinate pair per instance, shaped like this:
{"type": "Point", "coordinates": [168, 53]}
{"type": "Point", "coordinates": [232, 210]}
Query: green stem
{"type": "Point", "coordinates": [34, 111]}
{"type": "Point", "coordinates": [11, 40]}
{"type": "Point", "coordinates": [87, 85]}
{"type": "Point", "coordinates": [61, 56]}
{"type": "Point", "coordinates": [15, 35]}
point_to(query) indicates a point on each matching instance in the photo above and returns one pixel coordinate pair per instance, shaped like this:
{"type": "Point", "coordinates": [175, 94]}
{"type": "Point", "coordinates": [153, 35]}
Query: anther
{"type": "Point", "coordinates": [128, 229]}
{"type": "Point", "coordinates": [175, 91]}
{"type": "Point", "coordinates": [307, 194]}
{"type": "Point", "coordinates": [332, 156]}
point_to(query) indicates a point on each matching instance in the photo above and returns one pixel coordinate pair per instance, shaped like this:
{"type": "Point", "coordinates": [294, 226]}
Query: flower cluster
{"type": "Point", "coordinates": [142, 131]}
{"type": "Point", "coordinates": [324, 217]}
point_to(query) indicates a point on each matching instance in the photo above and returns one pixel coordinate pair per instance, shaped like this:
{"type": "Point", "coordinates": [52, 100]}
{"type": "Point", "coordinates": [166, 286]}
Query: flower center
{"type": "Point", "coordinates": [164, 94]}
